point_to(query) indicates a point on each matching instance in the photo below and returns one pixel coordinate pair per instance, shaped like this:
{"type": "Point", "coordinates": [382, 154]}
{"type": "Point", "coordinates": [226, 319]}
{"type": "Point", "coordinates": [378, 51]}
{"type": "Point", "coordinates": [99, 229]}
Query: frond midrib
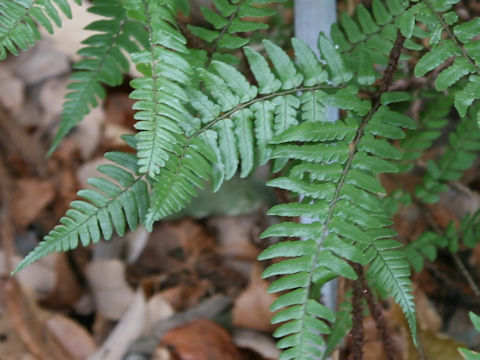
{"type": "Point", "coordinates": [155, 78]}
{"type": "Point", "coordinates": [331, 209]}
{"type": "Point", "coordinates": [258, 99]}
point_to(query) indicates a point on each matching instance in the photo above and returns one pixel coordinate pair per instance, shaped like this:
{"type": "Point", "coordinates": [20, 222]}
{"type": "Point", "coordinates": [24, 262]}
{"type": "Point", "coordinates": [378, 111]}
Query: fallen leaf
{"type": "Point", "coordinates": [256, 341]}
{"type": "Point", "coordinates": [72, 337]}
{"type": "Point", "coordinates": [110, 290]}
{"type": "Point", "coordinates": [158, 309]}
{"type": "Point", "coordinates": [12, 91]}
{"type": "Point", "coordinates": [234, 234]}
{"type": "Point", "coordinates": [252, 308]}
{"type": "Point", "coordinates": [125, 332]}
{"type": "Point", "coordinates": [201, 340]}
{"type": "Point", "coordinates": [39, 63]}
{"type": "Point", "coordinates": [30, 197]}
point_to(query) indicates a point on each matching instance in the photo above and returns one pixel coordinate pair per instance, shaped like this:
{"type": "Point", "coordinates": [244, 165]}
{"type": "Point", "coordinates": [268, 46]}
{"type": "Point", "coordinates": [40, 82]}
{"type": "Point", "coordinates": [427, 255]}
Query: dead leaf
{"type": "Point", "coordinates": [256, 341]}
{"type": "Point", "coordinates": [111, 292]}
{"type": "Point", "coordinates": [158, 309]}
{"type": "Point", "coordinates": [252, 308]}
{"type": "Point", "coordinates": [67, 290]}
{"type": "Point", "coordinates": [39, 63]}
{"type": "Point", "coordinates": [234, 234]}
{"type": "Point", "coordinates": [201, 340]}
{"type": "Point", "coordinates": [72, 337]}
{"type": "Point", "coordinates": [428, 317]}
{"type": "Point", "coordinates": [12, 91]}
{"type": "Point", "coordinates": [184, 296]}
{"type": "Point", "coordinates": [30, 197]}
{"type": "Point", "coordinates": [127, 330]}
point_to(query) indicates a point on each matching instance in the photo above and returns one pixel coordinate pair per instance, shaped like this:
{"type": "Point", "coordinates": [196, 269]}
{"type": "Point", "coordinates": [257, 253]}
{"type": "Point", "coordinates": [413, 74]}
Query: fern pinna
{"type": "Point", "coordinates": [200, 119]}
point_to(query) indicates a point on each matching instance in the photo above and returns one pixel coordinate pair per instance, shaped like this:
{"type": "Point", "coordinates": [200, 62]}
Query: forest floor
{"type": "Point", "coordinates": [191, 289]}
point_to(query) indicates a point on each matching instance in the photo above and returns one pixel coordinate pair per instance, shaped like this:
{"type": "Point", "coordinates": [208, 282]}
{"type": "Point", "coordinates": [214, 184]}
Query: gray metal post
{"type": "Point", "coordinates": [311, 18]}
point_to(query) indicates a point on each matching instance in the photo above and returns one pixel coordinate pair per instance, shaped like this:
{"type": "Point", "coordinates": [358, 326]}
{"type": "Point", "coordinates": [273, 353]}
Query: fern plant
{"type": "Point", "coordinates": [209, 107]}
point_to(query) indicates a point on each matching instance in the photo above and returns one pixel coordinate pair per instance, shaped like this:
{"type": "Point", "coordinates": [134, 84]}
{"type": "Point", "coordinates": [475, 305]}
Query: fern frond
{"type": "Point", "coordinates": [427, 244]}
{"type": "Point", "coordinates": [334, 170]}
{"type": "Point", "coordinates": [162, 118]}
{"type": "Point", "coordinates": [228, 20]}
{"type": "Point", "coordinates": [366, 40]}
{"type": "Point", "coordinates": [118, 201]}
{"type": "Point", "coordinates": [103, 63]}
{"type": "Point", "coordinates": [432, 119]}
{"type": "Point", "coordinates": [181, 177]}
{"type": "Point", "coordinates": [458, 157]}
{"type": "Point", "coordinates": [19, 18]}
{"type": "Point", "coordinates": [451, 40]}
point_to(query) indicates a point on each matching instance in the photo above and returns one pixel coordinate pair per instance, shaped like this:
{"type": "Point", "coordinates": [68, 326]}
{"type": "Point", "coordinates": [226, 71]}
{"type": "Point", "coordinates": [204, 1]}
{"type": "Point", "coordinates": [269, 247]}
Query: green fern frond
{"type": "Point", "coordinates": [366, 40]}
{"type": "Point", "coordinates": [334, 170]}
{"type": "Point", "coordinates": [459, 45]}
{"type": "Point", "coordinates": [19, 18]}
{"type": "Point", "coordinates": [180, 178]}
{"type": "Point", "coordinates": [103, 62]}
{"type": "Point", "coordinates": [160, 95]}
{"type": "Point", "coordinates": [228, 20]}
{"type": "Point", "coordinates": [459, 156]}
{"type": "Point", "coordinates": [432, 119]}
{"type": "Point", "coordinates": [118, 201]}
{"type": "Point", "coordinates": [427, 244]}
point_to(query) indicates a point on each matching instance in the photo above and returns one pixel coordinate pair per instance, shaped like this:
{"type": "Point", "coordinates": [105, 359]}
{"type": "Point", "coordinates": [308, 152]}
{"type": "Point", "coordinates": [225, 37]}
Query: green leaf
{"type": "Point", "coordinates": [266, 81]}
{"type": "Point", "coordinates": [335, 63]}
{"type": "Point", "coordinates": [435, 57]}
{"type": "Point", "coordinates": [465, 97]}
{"type": "Point", "coordinates": [284, 67]}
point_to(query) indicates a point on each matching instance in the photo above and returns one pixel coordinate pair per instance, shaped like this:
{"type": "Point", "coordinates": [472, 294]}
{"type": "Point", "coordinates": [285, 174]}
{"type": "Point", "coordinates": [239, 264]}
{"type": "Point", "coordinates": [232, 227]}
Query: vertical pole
{"type": "Point", "coordinates": [311, 18]}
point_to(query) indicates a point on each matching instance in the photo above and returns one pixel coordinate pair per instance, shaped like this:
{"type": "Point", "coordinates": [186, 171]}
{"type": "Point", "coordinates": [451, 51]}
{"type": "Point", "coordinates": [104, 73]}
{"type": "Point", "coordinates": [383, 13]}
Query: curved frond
{"type": "Point", "coordinates": [117, 201]}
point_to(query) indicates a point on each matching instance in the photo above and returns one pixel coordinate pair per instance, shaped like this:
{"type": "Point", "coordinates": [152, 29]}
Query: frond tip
{"type": "Point", "coordinates": [114, 203]}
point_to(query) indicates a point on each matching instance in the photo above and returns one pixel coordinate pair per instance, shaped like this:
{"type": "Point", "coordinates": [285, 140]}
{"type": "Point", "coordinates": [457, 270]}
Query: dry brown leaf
{"type": "Point", "coordinates": [30, 197]}
{"type": "Point", "coordinates": [256, 341]}
{"type": "Point", "coordinates": [184, 296]}
{"type": "Point", "coordinates": [233, 234]}
{"type": "Point", "coordinates": [28, 322]}
{"type": "Point", "coordinates": [39, 63]}
{"type": "Point", "coordinates": [12, 91]}
{"type": "Point", "coordinates": [110, 290]}
{"type": "Point", "coordinates": [125, 332]}
{"type": "Point", "coordinates": [72, 337]}
{"type": "Point", "coordinates": [67, 290]}
{"type": "Point", "coordinates": [252, 308]}
{"type": "Point", "coordinates": [158, 309]}
{"type": "Point", "coordinates": [428, 317]}
{"type": "Point", "coordinates": [201, 340]}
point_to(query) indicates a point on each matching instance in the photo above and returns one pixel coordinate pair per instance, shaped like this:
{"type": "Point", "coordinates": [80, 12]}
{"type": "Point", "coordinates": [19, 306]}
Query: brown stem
{"type": "Point", "coordinates": [377, 315]}
{"type": "Point", "coordinates": [357, 334]}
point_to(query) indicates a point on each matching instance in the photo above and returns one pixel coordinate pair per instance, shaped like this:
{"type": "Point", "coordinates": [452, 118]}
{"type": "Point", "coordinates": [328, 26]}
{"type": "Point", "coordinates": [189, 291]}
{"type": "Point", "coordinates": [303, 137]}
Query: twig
{"type": "Point", "coordinates": [390, 350]}
{"type": "Point", "coordinates": [466, 275]}
{"type": "Point", "coordinates": [356, 351]}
